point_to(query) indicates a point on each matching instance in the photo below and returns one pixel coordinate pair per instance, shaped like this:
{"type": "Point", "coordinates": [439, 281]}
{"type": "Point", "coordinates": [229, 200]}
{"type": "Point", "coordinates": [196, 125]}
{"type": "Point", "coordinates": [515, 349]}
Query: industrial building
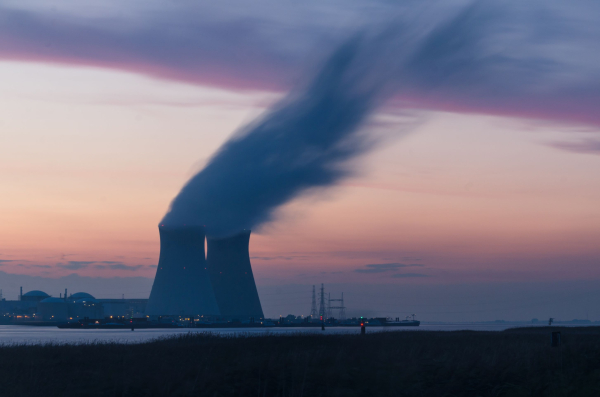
{"type": "Point", "coordinates": [40, 306]}
{"type": "Point", "coordinates": [217, 284]}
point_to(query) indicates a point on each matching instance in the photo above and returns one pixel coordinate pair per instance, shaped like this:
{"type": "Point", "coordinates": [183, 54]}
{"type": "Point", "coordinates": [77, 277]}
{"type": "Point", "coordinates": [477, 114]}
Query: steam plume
{"type": "Point", "coordinates": [305, 141]}
{"type": "Point", "coordinates": [302, 143]}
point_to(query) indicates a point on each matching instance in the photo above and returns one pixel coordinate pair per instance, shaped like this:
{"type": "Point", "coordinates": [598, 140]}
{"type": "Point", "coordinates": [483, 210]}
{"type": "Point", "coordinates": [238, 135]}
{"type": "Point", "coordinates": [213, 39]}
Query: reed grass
{"type": "Point", "coordinates": [517, 362]}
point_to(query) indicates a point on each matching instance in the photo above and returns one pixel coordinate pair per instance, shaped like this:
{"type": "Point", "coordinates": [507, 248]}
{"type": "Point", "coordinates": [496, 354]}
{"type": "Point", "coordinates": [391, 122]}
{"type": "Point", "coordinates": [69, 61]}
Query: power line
{"type": "Point", "coordinates": [340, 307]}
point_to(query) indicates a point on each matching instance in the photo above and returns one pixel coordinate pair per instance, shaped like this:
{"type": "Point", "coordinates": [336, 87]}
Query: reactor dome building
{"type": "Point", "coordinates": [190, 282]}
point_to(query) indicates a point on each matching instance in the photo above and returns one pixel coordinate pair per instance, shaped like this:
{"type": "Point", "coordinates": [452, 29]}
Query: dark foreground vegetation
{"type": "Point", "coordinates": [517, 362]}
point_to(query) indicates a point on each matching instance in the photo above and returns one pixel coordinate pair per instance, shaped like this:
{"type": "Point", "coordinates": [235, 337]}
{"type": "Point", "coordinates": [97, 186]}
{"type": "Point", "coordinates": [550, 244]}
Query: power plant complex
{"type": "Point", "coordinates": [217, 284]}
{"type": "Point", "coordinates": [201, 281]}
{"type": "Point", "coordinates": [191, 282]}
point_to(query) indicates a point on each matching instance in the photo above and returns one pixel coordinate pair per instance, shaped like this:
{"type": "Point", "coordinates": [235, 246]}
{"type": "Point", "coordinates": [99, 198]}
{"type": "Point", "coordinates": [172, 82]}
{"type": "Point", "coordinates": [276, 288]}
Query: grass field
{"type": "Point", "coordinates": [517, 362]}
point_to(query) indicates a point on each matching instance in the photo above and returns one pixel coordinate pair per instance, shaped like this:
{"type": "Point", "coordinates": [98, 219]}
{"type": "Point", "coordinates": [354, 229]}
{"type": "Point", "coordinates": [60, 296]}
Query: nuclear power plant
{"type": "Point", "coordinates": [189, 283]}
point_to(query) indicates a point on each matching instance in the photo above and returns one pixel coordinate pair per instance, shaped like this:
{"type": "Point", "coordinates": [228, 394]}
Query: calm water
{"type": "Point", "coordinates": [10, 334]}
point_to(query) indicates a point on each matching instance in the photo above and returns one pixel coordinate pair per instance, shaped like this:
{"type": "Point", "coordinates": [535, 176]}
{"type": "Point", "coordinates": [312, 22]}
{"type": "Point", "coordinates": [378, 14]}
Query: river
{"type": "Point", "coordinates": [16, 334]}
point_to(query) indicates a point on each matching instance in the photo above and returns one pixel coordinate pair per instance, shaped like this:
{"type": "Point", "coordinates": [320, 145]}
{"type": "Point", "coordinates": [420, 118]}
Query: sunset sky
{"type": "Point", "coordinates": [107, 111]}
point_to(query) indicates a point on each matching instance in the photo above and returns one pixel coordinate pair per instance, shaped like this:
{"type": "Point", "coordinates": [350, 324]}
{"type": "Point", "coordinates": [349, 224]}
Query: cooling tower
{"type": "Point", "coordinates": [230, 271]}
{"type": "Point", "coordinates": [182, 285]}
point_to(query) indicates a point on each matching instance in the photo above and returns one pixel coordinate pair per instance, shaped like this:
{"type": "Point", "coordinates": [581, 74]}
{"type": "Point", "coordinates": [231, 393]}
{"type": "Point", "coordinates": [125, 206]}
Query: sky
{"type": "Point", "coordinates": [477, 201]}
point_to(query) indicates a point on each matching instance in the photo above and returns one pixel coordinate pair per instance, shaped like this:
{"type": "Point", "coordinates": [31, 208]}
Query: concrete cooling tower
{"type": "Point", "coordinates": [228, 261]}
{"type": "Point", "coordinates": [182, 284]}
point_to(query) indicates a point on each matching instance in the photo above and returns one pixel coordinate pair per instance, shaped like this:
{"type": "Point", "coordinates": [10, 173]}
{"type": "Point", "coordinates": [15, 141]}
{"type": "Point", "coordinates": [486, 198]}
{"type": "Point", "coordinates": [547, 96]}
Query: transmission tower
{"type": "Point", "coordinates": [341, 307]}
{"type": "Point", "coordinates": [322, 313]}
{"type": "Point", "coordinates": [313, 308]}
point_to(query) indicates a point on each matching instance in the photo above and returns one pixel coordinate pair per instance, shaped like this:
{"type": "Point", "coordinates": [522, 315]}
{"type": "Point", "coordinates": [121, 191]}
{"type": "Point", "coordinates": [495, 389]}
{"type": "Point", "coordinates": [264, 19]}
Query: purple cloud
{"type": "Point", "coordinates": [118, 266]}
{"type": "Point", "coordinates": [534, 59]}
{"type": "Point", "coordinates": [587, 146]}
{"type": "Point", "coordinates": [408, 275]}
{"type": "Point", "coordinates": [110, 265]}
{"type": "Point", "coordinates": [75, 265]}
{"type": "Point", "coordinates": [384, 267]}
